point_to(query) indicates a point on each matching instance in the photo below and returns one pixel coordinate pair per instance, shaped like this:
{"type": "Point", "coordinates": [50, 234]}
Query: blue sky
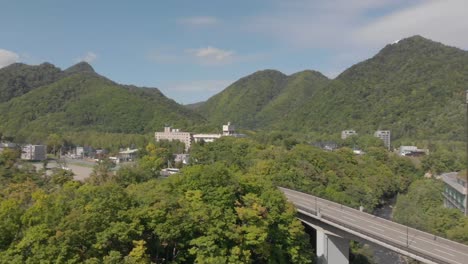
{"type": "Point", "coordinates": [191, 50]}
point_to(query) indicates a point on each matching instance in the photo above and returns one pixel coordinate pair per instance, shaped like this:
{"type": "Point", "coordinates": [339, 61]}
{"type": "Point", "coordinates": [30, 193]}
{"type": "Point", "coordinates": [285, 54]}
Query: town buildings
{"type": "Point", "coordinates": [171, 134]}
{"type": "Point", "coordinates": [455, 191]}
{"type": "Point", "coordinates": [187, 138]}
{"type": "Point", "coordinates": [34, 152]}
{"type": "Point", "coordinates": [183, 159]}
{"type": "Point", "coordinates": [229, 130]}
{"type": "Point", "coordinates": [206, 137]}
{"type": "Point", "coordinates": [384, 135]}
{"type": "Point", "coordinates": [412, 151]}
{"type": "Point", "coordinates": [127, 155]}
{"type": "Point", "coordinates": [347, 133]}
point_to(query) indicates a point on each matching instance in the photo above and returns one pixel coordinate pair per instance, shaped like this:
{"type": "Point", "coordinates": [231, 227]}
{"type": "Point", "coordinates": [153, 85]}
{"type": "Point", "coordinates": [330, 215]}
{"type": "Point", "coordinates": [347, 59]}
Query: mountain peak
{"type": "Point", "coordinates": [80, 67]}
{"type": "Point", "coordinates": [414, 45]}
{"type": "Point", "coordinates": [310, 73]}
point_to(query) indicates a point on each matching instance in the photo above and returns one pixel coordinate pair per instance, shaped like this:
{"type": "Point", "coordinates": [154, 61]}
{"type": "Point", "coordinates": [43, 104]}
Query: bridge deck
{"type": "Point", "coordinates": [422, 244]}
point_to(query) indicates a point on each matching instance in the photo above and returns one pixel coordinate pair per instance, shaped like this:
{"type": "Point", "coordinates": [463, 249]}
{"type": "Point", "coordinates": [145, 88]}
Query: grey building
{"type": "Point", "coordinates": [34, 152]}
{"type": "Point", "coordinates": [385, 136]}
{"type": "Point", "coordinates": [455, 191]}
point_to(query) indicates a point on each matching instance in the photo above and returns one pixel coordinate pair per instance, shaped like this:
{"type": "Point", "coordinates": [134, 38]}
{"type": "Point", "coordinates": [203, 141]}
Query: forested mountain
{"type": "Point", "coordinates": [18, 79]}
{"type": "Point", "coordinates": [262, 97]}
{"type": "Point", "coordinates": [414, 87]}
{"type": "Point", "coordinates": [82, 100]}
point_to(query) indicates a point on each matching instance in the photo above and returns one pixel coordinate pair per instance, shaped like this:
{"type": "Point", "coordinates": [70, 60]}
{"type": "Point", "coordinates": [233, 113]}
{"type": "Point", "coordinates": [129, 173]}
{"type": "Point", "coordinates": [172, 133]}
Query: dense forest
{"type": "Point", "coordinates": [415, 88]}
{"type": "Point", "coordinates": [223, 208]}
{"type": "Point", "coordinates": [46, 100]}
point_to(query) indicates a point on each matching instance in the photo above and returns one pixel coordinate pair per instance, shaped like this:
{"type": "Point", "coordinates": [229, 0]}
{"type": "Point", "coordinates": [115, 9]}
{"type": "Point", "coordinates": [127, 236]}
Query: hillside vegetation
{"type": "Point", "coordinates": [415, 88]}
{"type": "Point", "coordinates": [81, 100]}
{"type": "Point", "coordinates": [261, 98]}
{"type": "Point", "coordinates": [222, 208]}
{"type": "Point", "coordinates": [18, 79]}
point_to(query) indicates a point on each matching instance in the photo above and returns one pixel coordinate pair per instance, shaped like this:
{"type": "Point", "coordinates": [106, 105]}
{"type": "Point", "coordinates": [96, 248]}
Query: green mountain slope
{"type": "Point", "coordinates": [260, 99]}
{"type": "Point", "coordinates": [18, 79]}
{"type": "Point", "coordinates": [85, 101]}
{"type": "Point", "coordinates": [298, 89]}
{"type": "Point", "coordinates": [414, 88]}
{"type": "Point", "coordinates": [241, 101]}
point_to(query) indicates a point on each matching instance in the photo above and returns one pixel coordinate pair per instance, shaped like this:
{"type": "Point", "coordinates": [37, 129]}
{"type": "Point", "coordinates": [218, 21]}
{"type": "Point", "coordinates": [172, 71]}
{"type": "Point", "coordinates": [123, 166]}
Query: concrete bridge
{"type": "Point", "coordinates": [337, 224]}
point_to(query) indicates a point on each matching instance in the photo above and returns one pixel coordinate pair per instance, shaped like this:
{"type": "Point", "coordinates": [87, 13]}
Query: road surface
{"type": "Point", "coordinates": [434, 248]}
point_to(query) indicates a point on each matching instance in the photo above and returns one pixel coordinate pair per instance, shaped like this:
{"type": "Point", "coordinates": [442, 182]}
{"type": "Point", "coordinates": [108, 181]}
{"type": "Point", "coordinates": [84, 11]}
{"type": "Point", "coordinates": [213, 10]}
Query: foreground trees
{"type": "Point", "coordinates": [422, 208]}
{"type": "Point", "coordinates": [208, 214]}
{"type": "Point", "coordinates": [224, 208]}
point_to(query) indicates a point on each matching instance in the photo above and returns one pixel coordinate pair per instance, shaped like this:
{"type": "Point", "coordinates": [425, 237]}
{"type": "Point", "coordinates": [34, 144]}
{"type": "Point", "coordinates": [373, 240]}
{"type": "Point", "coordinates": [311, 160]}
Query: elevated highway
{"type": "Point", "coordinates": [336, 224]}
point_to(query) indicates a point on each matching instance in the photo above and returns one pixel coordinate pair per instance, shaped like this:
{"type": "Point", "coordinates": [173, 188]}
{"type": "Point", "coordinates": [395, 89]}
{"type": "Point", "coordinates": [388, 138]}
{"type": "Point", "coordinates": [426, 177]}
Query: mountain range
{"type": "Point", "coordinates": [415, 88]}
{"type": "Point", "coordinates": [39, 100]}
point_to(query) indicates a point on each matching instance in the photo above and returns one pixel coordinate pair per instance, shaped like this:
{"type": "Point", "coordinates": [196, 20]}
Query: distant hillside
{"type": "Point", "coordinates": [414, 88]}
{"type": "Point", "coordinates": [261, 98]}
{"type": "Point", "coordinates": [194, 105]}
{"type": "Point", "coordinates": [298, 89]}
{"type": "Point", "coordinates": [84, 101]}
{"type": "Point", "coordinates": [18, 79]}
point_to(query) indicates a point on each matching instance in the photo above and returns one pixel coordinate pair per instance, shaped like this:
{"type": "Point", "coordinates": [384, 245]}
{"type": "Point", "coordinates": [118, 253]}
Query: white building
{"type": "Point", "coordinates": [384, 135]}
{"type": "Point", "coordinates": [79, 152]}
{"type": "Point", "coordinates": [347, 133]}
{"type": "Point", "coordinates": [174, 134]}
{"type": "Point", "coordinates": [168, 172]}
{"type": "Point", "coordinates": [187, 138]}
{"type": "Point", "coordinates": [411, 151]}
{"type": "Point", "coordinates": [182, 158]}
{"type": "Point", "coordinates": [127, 155]}
{"type": "Point", "coordinates": [34, 152]}
{"type": "Point", "coordinates": [228, 130]}
{"type": "Point", "coordinates": [206, 137]}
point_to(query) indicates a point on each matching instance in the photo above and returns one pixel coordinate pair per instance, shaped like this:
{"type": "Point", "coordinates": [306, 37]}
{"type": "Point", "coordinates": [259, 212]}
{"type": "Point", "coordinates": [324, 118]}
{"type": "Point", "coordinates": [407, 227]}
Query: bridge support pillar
{"type": "Point", "coordinates": [331, 249]}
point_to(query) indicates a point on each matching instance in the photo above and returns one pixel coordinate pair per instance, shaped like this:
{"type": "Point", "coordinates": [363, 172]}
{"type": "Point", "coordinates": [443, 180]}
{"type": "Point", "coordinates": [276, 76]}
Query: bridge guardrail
{"type": "Point", "coordinates": [394, 244]}
{"type": "Point", "coordinates": [412, 230]}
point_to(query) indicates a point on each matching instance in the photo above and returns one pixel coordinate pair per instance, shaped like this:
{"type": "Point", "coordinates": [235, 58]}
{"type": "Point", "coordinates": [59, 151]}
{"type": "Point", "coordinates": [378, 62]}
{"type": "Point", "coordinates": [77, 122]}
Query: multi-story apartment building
{"type": "Point", "coordinates": [347, 133]}
{"type": "Point", "coordinates": [34, 152]}
{"type": "Point", "coordinates": [455, 191]}
{"type": "Point", "coordinates": [228, 130]}
{"type": "Point", "coordinates": [171, 134]}
{"type": "Point", "coordinates": [187, 138]}
{"type": "Point", "coordinates": [385, 136]}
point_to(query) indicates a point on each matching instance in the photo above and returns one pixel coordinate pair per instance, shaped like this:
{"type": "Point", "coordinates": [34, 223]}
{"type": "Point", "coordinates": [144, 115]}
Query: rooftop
{"type": "Point", "coordinates": [128, 151]}
{"type": "Point", "coordinates": [451, 179]}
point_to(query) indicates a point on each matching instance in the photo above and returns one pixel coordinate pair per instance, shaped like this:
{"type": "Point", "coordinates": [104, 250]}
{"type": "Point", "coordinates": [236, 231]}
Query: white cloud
{"type": "Point", "coordinates": [351, 31]}
{"type": "Point", "coordinates": [198, 21]}
{"type": "Point", "coordinates": [207, 56]}
{"type": "Point", "coordinates": [316, 24]}
{"type": "Point", "coordinates": [445, 21]}
{"type": "Point", "coordinates": [211, 55]}
{"type": "Point", "coordinates": [8, 57]}
{"type": "Point", "coordinates": [88, 57]}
